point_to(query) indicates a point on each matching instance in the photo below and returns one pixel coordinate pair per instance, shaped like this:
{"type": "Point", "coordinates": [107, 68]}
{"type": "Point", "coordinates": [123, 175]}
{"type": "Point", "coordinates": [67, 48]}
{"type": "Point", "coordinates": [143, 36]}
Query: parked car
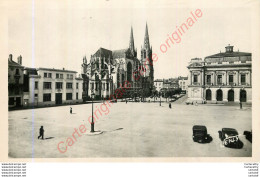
{"type": "Point", "coordinates": [229, 137]}
{"type": "Point", "coordinates": [248, 135]}
{"type": "Point", "coordinates": [200, 134]}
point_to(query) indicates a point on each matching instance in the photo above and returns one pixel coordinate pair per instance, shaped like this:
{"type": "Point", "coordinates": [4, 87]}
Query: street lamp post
{"type": "Point", "coordinates": [92, 121]}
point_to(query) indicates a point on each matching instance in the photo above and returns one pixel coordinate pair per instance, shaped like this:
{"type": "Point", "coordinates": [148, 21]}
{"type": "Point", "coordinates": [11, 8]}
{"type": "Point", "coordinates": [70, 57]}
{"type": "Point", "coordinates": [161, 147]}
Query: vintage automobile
{"type": "Point", "coordinates": [200, 134]}
{"type": "Point", "coordinates": [229, 137]}
{"type": "Point", "coordinates": [248, 135]}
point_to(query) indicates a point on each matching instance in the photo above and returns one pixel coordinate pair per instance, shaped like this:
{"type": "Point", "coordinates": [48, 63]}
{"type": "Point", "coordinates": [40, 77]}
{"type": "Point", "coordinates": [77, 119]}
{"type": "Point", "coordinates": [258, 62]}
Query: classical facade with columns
{"type": "Point", "coordinates": [222, 77]}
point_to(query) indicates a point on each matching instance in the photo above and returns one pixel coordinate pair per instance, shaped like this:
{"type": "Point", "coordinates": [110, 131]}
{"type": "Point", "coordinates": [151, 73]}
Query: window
{"type": "Point", "coordinates": [243, 79]}
{"type": "Point", "coordinates": [96, 86]}
{"type": "Point", "coordinates": [35, 95]}
{"type": "Point", "coordinates": [103, 86]}
{"type": "Point", "coordinates": [16, 91]}
{"type": "Point", "coordinates": [46, 85]}
{"type": "Point", "coordinates": [219, 80]}
{"type": "Point", "coordinates": [45, 74]}
{"type": "Point", "coordinates": [107, 86]}
{"type": "Point", "coordinates": [49, 75]}
{"type": "Point", "coordinates": [69, 85]}
{"type": "Point", "coordinates": [61, 76]}
{"type": "Point", "coordinates": [68, 96]}
{"type": "Point", "coordinates": [231, 79]}
{"type": "Point", "coordinates": [47, 97]}
{"type": "Point", "coordinates": [69, 76]}
{"type": "Point", "coordinates": [77, 85]}
{"type": "Point", "coordinates": [195, 78]}
{"type": "Point", "coordinates": [17, 72]}
{"type": "Point", "coordinates": [11, 101]}
{"type": "Point", "coordinates": [57, 76]}
{"type": "Point", "coordinates": [58, 85]}
{"type": "Point", "coordinates": [92, 86]}
{"type": "Point", "coordinates": [36, 85]}
{"type": "Point", "coordinates": [208, 79]}
{"type": "Point", "coordinates": [77, 96]}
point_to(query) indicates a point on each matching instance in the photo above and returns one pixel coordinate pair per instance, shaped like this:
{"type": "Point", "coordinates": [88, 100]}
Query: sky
{"type": "Point", "coordinates": [57, 34]}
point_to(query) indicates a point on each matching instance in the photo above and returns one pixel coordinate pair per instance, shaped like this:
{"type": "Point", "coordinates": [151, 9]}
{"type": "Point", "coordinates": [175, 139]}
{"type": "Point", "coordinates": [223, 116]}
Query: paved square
{"type": "Point", "coordinates": [129, 130]}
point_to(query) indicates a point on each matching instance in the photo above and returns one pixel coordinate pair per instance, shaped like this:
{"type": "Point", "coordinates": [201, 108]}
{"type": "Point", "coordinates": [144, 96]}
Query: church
{"type": "Point", "coordinates": [107, 70]}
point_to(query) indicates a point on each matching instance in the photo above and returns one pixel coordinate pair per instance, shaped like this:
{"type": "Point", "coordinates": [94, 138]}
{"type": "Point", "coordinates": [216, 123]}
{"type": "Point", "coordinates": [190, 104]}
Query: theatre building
{"type": "Point", "coordinates": [222, 77]}
{"type": "Point", "coordinates": [49, 87]}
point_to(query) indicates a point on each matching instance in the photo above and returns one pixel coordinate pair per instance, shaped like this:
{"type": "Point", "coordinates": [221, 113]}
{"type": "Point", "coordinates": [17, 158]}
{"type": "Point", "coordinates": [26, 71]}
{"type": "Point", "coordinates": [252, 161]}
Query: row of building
{"type": "Point", "coordinates": [29, 87]}
{"type": "Point", "coordinates": [222, 77]}
{"type": "Point", "coordinates": [171, 84]}
{"type": "Point", "coordinates": [106, 71]}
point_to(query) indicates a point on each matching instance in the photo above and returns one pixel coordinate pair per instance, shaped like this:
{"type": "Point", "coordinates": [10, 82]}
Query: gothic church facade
{"type": "Point", "coordinates": [108, 70]}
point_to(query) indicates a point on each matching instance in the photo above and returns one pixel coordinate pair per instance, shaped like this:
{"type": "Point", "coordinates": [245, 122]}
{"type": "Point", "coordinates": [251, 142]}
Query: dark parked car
{"type": "Point", "coordinates": [248, 135]}
{"type": "Point", "coordinates": [229, 137]}
{"type": "Point", "coordinates": [200, 134]}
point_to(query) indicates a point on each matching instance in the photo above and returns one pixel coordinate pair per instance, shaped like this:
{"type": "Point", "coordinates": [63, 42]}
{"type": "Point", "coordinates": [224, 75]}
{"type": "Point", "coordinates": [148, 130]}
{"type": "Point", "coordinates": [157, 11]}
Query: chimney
{"type": "Point", "coordinates": [19, 60]}
{"type": "Point", "coordinates": [10, 57]}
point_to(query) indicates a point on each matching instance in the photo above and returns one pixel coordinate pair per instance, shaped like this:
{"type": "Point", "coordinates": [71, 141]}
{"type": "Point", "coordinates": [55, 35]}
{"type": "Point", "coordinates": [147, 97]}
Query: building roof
{"type": "Point", "coordinates": [119, 53]}
{"type": "Point", "coordinates": [58, 70]}
{"type": "Point", "coordinates": [13, 63]}
{"type": "Point", "coordinates": [102, 52]}
{"type": "Point", "coordinates": [183, 78]}
{"type": "Point", "coordinates": [229, 56]}
{"type": "Point", "coordinates": [31, 71]}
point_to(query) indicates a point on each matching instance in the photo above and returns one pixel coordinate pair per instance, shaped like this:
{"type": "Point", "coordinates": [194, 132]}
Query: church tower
{"type": "Point", "coordinates": [146, 61]}
{"type": "Point", "coordinates": [132, 44]}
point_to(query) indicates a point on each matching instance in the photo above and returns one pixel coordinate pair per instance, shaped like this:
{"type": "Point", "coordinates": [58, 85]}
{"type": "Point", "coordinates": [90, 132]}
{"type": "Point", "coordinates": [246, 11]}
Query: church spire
{"type": "Point", "coordinates": [131, 42]}
{"type": "Point", "coordinates": [146, 38]}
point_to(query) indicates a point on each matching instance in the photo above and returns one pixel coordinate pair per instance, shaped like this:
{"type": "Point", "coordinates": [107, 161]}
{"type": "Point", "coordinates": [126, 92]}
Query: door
{"type": "Point", "coordinates": [18, 101]}
{"type": "Point", "coordinates": [58, 98]}
{"type": "Point", "coordinates": [231, 95]}
{"type": "Point", "coordinates": [243, 96]}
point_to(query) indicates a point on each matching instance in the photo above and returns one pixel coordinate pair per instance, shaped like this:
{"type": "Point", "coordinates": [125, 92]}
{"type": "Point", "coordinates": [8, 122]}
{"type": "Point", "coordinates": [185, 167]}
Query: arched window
{"type": "Point", "coordinates": [129, 72]}
{"type": "Point", "coordinates": [231, 95]}
{"type": "Point", "coordinates": [208, 94]}
{"type": "Point", "coordinates": [242, 95]}
{"type": "Point", "coordinates": [219, 95]}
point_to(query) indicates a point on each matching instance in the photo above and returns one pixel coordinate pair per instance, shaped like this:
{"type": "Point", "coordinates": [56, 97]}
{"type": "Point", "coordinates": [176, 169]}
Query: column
{"type": "Point", "coordinates": [202, 76]}
{"type": "Point", "coordinates": [238, 82]}
{"type": "Point", "coordinates": [226, 78]}
{"type": "Point", "coordinates": [190, 77]}
{"type": "Point", "coordinates": [214, 76]}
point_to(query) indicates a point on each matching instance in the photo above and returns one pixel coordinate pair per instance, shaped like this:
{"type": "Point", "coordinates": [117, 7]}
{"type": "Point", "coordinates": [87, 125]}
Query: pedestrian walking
{"type": "Point", "coordinates": [41, 131]}
{"type": "Point", "coordinates": [196, 104]}
{"type": "Point", "coordinates": [70, 110]}
{"type": "Point", "coordinates": [170, 105]}
{"type": "Point", "coordinates": [125, 101]}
